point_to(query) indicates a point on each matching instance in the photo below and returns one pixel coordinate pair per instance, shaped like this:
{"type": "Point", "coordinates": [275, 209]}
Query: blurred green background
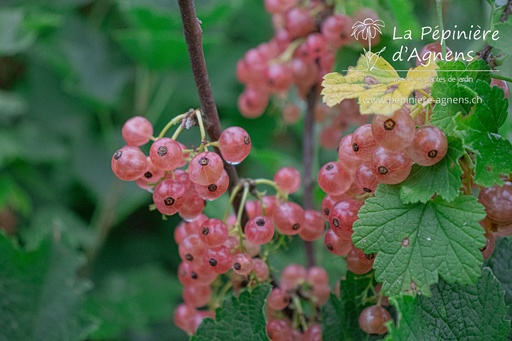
{"type": "Point", "coordinates": [95, 262]}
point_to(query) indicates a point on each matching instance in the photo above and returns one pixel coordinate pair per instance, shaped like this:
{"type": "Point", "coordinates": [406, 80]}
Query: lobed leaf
{"type": "Point", "coordinates": [454, 312]}
{"type": "Point", "coordinates": [238, 318]}
{"type": "Point", "coordinates": [415, 243]}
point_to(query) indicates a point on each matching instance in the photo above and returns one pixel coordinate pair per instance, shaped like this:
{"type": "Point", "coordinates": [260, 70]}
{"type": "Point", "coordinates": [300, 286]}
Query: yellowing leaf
{"type": "Point", "coordinates": [376, 84]}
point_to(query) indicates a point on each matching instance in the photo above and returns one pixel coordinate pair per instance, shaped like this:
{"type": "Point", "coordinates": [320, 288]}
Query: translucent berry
{"type": "Point", "coordinates": [218, 260]}
{"type": "Point", "coordinates": [363, 143]}
{"type": "Point", "coordinates": [213, 190]}
{"type": "Point", "coordinates": [428, 147]}
{"type": "Point", "coordinates": [337, 245]}
{"type": "Point", "coordinates": [497, 201]}
{"type": "Point", "coordinates": [390, 167]}
{"type": "Point", "coordinates": [343, 216]}
{"type": "Point", "coordinates": [288, 179]}
{"type": "Point", "coordinates": [394, 132]}
{"type": "Point", "coordinates": [242, 263]}
{"type": "Point", "coordinates": [292, 276]}
{"type": "Point", "coordinates": [314, 226]}
{"type": "Point", "coordinates": [191, 249]}
{"type": "Point", "coordinates": [197, 296]}
{"type": "Point", "coordinates": [168, 196]}
{"type": "Point", "coordinates": [166, 154]}
{"type": "Point", "coordinates": [129, 163]}
{"type": "Point", "coordinates": [337, 30]}
{"type": "Point", "coordinates": [192, 206]}
{"type": "Point", "coordinates": [234, 144]}
{"type": "Point", "coordinates": [205, 168]}
{"type": "Point", "coordinates": [214, 232]}
{"type": "Point", "coordinates": [259, 230]}
{"type": "Point", "coordinates": [365, 178]}
{"type": "Point", "coordinates": [289, 218]}
{"type": "Point", "coordinates": [372, 320]}
{"type": "Point", "coordinates": [260, 269]}
{"type": "Point", "coordinates": [346, 155]}
{"type": "Point", "coordinates": [137, 131]}
{"type": "Point", "coordinates": [334, 178]}
{"type": "Point", "coordinates": [358, 262]}
{"type": "Point", "coordinates": [278, 299]}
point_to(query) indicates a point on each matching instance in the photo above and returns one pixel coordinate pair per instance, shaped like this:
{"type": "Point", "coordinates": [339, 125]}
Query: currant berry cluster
{"type": "Point", "coordinates": [302, 50]}
{"type": "Point", "coordinates": [297, 286]}
{"type": "Point", "coordinates": [381, 152]}
{"type": "Point", "coordinates": [177, 190]}
{"type": "Point", "coordinates": [210, 247]}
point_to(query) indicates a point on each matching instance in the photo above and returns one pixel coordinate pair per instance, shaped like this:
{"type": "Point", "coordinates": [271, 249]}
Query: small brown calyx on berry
{"type": "Point", "coordinates": [432, 154]}
{"type": "Point", "coordinates": [355, 147]}
{"type": "Point", "coordinates": [212, 262]}
{"type": "Point", "coordinates": [335, 222]}
{"type": "Point", "coordinates": [296, 226]}
{"type": "Point", "coordinates": [382, 170]}
{"type": "Point", "coordinates": [330, 247]}
{"type": "Point", "coordinates": [389, 124]}
{"type": "Point", "coordinates": [329, 166]}
{"type": "Point", "coordinates": [260, 222]}
{"type": "Point", "coordinates": [237, 266]}
{"type": "Point", "coordinates": [148, 175]}
{"type": "Point", "coordinates": [169, 201]}
{"type": "Point", "coordinates": [118, 154]}
{"type": "Point", "coordinates": [162, 150]}
{"type": "Point", "coordinates": [193, 275]}
{"type": "Point", "coordinates": [189, 257]}
{"type": "Point", "coordinates": [370, 256]}
{"type": "Point", "coordinates": [247, 139]}
{"type": "Point", "coordinates": [205, 231]}
{"type": "Point", "coordinates": [212, 188]}
{"type": "Point", "coordinates": [204, 161]}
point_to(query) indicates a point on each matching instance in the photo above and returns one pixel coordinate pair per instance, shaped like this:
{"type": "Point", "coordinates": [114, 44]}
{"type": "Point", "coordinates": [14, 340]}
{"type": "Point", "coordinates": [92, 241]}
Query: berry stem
{"type": "Point", "coordinates": [193, 36]}
{"type": "Point", "coordinates": [300, 313]}
{"type": "Point", "coordinates": [199, 116]}
{"type": "Point", "coordinates": [172, 122]}
{"type": "Point", "coordinates": [239, 216]}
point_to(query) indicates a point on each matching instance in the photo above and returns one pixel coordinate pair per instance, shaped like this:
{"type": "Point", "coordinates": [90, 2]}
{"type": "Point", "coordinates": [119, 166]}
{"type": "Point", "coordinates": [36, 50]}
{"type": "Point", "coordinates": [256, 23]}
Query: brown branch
{"type": "Point", "coordinates": [485, 54]}
{"type": "Point", "coordinates": [307, 159]}
{"type": "Point", "coordinates": [193, 37]}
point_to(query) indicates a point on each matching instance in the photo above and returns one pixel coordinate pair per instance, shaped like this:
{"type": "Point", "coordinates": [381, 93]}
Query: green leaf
{"type": "Point", "coordinates": [72, 230]}
{"type": "Point", "coordinates": [40, 294]}
{"type": "Point", "coordinates": [340, 318]}
{"type": "Point", "coordinates": [98, 71]}
{"type": "Point", "coordinates": [500, 263]}
{"type": "Point", "coordinates": [155, 49]}
{"type": "Point", "coordinates": [132, 300]}
{"type": "Point", "coordinates": [443, 178]}
{"type": "Point", "coordinates": [493, 154]}
{"type": "Point", "coordinates": [403, 12]}
{"type": "Point", "coordinates": [415, 243]}
{"type": "Point", "coordinates": [238, 318]}
{"type": "Point", "coordinates": [504, 41]}
{"type": "Point", "coordinates": [454, 312]}
{"type": "Point", "coordinates": [12, 106]}
{"type": "Point", "coordinates": [451, 94]}
{"type": "Point", "coordinates": [14, 38]}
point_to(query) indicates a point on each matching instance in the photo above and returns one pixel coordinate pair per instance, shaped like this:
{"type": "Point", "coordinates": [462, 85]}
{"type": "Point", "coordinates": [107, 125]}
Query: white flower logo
{"type": "Point", "coordinates": [368, 29]}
